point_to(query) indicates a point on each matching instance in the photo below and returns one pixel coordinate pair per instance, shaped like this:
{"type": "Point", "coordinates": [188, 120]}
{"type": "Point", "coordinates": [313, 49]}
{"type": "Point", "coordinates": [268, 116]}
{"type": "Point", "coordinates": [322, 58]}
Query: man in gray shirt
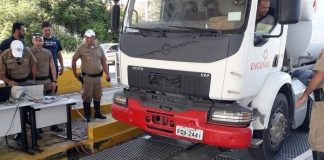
{"type": "Point", "coordinates": [264, 21]}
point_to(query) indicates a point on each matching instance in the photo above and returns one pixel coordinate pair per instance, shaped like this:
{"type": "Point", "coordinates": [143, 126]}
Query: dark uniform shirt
{"type": "Point", "coordinates": [91, 58]}
{"type": "Point", "coordinates": [16, 69]}
{"type": "Point", "coordinates": [54, 45]}
{"type": "Point", "coordinates": [7, 42]}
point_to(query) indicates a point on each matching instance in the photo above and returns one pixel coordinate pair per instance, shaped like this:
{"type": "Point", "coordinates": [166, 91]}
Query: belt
{"type": "Point", "coordinates": [92, 75]}
{"type": "Point", "coordinates": [20, 80]}
{"type": "Point", "coordinates": [42, 78]}
{"type": "Point", "coordinates": [319, 95]}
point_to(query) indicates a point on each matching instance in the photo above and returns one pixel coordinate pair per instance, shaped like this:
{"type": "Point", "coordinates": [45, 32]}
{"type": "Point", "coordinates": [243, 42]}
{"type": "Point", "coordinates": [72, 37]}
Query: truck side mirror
{"type": "Point", "coordinates": [289, 11]}
{"type": "Point", "coordinates": [115, 17]}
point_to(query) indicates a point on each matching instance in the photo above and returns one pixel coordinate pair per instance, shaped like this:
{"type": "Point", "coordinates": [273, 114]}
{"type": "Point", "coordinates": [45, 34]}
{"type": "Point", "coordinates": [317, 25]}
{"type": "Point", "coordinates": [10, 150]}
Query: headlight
{"type": "Point", "coordinates": [120, 98]}
{"type": "Point", "coordinates": [231, 115]}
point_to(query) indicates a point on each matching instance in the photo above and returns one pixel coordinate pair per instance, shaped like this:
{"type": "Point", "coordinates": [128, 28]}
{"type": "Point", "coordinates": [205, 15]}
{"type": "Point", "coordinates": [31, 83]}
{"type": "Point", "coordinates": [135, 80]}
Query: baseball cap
{"type": "Point", "coordinates": [17, 48]}
{"type": "Point", "coordinates": [90, 33]}
{"type": "Point", "coordinates": [37, 35]}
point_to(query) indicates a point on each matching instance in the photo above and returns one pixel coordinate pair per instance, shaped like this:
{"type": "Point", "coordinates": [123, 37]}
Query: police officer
{"type": "Point", "coordinates": [17, 65]}
{"type": "Point", "coordinates": [316, 139]}
{"type": "Point", "coordinates": [45, 65]}
{"type": "Point", "coordinates": [93, 64]}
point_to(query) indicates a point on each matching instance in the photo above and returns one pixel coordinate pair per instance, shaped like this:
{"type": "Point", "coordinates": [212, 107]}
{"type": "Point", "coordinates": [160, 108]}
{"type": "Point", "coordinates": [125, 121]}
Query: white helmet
{"type": "Point", "coordinates": [90, 33]}
{"type": "Point", "coordinates": [17, 48]}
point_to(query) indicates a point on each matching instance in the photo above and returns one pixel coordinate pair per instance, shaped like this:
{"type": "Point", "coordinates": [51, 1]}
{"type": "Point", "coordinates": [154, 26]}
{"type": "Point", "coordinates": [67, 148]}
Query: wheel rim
{"type": "Point", "coordinates": [278, 128]}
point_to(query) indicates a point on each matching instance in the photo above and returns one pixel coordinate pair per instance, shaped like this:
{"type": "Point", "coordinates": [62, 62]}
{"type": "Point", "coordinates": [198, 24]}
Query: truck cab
{"type": "Point", "coordinates": [210, 72]}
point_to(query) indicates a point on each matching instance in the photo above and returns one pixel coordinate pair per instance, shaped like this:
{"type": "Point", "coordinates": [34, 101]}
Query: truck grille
{"type": "Point", "coordinates": [170, 81]}
{"type": "Point", "coordinates": [159, 79]}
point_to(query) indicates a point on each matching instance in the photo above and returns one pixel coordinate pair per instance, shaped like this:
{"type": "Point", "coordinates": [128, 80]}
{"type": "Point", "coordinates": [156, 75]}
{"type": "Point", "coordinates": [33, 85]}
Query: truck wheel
{"type": "Point", "coordinates": [274, 135]}
{"type": "Point", "coordinates": [305, 126]}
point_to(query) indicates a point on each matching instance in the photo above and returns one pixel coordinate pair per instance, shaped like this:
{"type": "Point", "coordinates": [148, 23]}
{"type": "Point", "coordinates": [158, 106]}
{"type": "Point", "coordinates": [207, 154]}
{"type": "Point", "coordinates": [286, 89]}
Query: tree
{"type": "Point", "coordinates": [71, 18]}
{"type": "Point", "coordinates": [79, 15]}
{"type": "Point", "coordinates": [20, 11]}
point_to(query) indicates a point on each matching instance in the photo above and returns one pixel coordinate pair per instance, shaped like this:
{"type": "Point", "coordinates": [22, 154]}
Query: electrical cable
{"type": "Point", "coordinates": [17, 103]}
{"type": "Point", "coordinates": [77, 149]}
{"type": "Point", "coordinates": [85, 151]}
{"type": "Point", "coordinates": [33, 98]}
{"type": "Point", "coordinates": [56, 99]}
{"type": "Point", "coordinates": [12, 121]}
{"type": "Point", "coordinates": [84, 120]}
{"type": "Point", "coordinates": [76, 142]}
{"type": "Point", "coordinates": [29, 97]}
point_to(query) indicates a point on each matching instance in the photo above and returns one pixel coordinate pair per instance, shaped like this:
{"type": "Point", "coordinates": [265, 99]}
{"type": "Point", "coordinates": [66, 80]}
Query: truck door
{"type": "Point", "coordinates": [265, 53]}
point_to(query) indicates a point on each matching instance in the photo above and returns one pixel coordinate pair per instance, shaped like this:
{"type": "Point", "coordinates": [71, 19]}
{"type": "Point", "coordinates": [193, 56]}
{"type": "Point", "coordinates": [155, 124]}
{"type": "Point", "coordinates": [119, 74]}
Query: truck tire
{"type": "Point", "coordinates": [278, 128]}
{"type": "Point", "coordinates": [305, 126]}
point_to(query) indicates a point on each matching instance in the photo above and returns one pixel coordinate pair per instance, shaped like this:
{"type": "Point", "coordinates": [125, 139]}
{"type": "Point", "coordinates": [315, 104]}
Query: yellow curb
{"type": "Point", "coordinates": [105, 109]}
{"type": "Point", "coordinates": [67, 83]}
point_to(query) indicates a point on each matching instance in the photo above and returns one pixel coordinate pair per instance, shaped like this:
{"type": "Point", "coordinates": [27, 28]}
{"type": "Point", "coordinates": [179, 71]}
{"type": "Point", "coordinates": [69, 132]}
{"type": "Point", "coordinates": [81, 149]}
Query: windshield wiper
{"type": "Point", "coordinates": [148, 29]}
{"type": "Point", "coordinates": [198, 29]}
{"type": "Point", "coordinates": [143, 30]}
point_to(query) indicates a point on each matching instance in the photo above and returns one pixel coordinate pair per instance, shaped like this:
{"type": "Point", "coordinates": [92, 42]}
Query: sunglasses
{"type": "Point", "coordinates": [38, 36]}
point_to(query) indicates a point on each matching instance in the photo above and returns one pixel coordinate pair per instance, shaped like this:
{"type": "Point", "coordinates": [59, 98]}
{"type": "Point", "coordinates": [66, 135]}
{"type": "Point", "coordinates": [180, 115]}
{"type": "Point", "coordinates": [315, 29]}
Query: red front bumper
{"type": "Point", "coordinates": [161, 122]}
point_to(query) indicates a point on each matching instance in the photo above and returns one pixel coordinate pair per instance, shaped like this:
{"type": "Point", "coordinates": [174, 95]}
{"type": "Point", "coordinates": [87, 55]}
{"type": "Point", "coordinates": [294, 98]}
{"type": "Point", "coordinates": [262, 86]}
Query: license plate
{"type": "Point", "coordinates": [189, 132]}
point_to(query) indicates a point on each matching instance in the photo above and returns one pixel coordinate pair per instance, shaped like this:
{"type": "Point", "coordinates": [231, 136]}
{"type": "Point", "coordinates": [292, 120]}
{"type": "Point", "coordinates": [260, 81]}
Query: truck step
{"type": "Point", "coordinates": [295, 144]}
{"type": "Point", "coordinates": [223, 157]}
{"type": "Point", "coordinates": [255, 143]}
{"type": "Point", "coordinates": [138, 149]}
{"type": "Point", "coordinates": [170, 141]}
{"type": "Point", "coordinates": [158, 148]}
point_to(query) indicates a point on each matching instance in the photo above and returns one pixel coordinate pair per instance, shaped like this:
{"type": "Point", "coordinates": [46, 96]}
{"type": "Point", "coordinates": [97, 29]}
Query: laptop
{"type": "Point", "coordinates": [5, 93]}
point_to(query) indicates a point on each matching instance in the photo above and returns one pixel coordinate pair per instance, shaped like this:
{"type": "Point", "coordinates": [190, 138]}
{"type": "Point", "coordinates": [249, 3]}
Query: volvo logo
{"type": "Point", "coordinates": [166, 48]}
{"type": "Point", "coordinates": [137, 68]}
{"type": "Point", "coordinates": [205, 75]}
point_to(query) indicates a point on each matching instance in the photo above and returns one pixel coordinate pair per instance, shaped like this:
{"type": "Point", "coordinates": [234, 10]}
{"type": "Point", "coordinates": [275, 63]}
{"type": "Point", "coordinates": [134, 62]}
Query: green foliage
{"type": "Point", "coordinates": [79, 15]}
{"type": "Point", "coordinates": [70, 41]}
{"type": "Point", "coordinates": [71, 18]}
{"type": "Point", "coordinates": [19, 10]}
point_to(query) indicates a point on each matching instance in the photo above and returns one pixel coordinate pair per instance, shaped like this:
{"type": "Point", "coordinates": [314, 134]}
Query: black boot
{"type": "Point", "coordinates": [18, 137]}
{"type": "Point", "coordinates": [318, 155]}
{"type": "Point", "coordinates": [55, 128]}
{"type": "Point", "coordinates": [97, 110]}
{"type": "Point", "coordinates": [40, 131]}
{"type": "Point", "coordinates": [87, 110]}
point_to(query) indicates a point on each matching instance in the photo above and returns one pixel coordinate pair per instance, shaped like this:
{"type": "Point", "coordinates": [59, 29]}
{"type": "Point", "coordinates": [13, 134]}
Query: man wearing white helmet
{"type": "Point", "coordinates": [17, 65]}
{"type": "Point", "coordinates": [93, 64]}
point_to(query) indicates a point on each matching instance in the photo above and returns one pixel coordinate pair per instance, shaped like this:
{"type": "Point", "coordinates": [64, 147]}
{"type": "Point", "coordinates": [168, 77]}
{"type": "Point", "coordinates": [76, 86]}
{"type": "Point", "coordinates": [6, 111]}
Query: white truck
{"type": "Point", "coordinates": [200, 70]}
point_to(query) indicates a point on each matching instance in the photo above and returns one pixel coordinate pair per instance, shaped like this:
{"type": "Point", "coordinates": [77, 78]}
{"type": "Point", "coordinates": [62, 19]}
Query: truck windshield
{"type": "Point", "coordinates": [186, 15]}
